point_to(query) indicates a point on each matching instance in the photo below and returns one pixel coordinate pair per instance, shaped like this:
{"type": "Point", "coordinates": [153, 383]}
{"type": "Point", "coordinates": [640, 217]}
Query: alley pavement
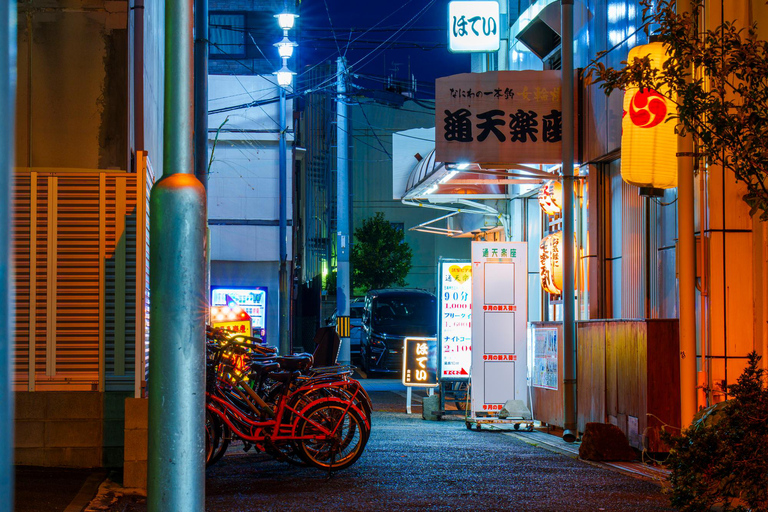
{"type": "Point", "coordinates": [412, 465]}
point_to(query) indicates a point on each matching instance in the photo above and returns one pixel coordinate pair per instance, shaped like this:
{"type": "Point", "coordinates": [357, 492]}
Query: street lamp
{"type": "Point", "coordinates": [284, 80]}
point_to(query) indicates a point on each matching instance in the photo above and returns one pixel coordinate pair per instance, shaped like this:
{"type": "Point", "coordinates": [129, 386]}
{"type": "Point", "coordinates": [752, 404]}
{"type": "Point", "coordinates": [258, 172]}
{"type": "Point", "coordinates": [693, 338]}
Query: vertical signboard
{"type": "Point", "coordinates": [474, 26]}
{"type": "Point", "coordinates": [420, 362]}
{"type": "Point", "coordinates": [499, 292]}
{"type": "Point", "coordinates": [252, 300]}
{"type": "Point", "coordinates": [455, 324]}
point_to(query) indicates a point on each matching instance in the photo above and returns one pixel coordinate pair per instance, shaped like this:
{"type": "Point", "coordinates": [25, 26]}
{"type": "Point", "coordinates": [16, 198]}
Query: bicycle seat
{"type": "Point", "coordinates": [283, 375]}
{"type": "Point", "coordinates": [260, 367]}
{"type": "Point", "coordinates": [296, 362]}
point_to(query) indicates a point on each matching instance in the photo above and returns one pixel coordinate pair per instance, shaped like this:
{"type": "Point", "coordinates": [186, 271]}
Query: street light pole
{"type": "Point", "coordinates": [284, 79]}
{"type": "Point", "coordinates": [7, 103]}
{"type": "Point", "coordinates": [176, 461]}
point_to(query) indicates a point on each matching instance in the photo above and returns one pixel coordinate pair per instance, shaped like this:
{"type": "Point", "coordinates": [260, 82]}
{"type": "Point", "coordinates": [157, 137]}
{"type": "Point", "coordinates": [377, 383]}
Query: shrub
{"type": "Point", "coordinates": [722, 458]}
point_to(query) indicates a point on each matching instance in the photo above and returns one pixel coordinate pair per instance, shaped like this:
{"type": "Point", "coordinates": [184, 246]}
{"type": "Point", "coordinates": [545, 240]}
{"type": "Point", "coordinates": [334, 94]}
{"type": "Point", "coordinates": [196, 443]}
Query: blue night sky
{"type": "Point", "coordinates": [402, 33]}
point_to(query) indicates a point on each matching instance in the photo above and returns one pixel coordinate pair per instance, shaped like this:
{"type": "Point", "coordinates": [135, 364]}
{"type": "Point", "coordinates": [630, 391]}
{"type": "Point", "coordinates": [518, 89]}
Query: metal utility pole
{"type": "Point", "coordinates": [342, 212]}
{"type": "Point", "coordinates": [7, 118]}
{"type": "Point", "coordinates": [283, 326]}
{"type": "Point", "coordinates": [176, 462]}
{"type": "Point", "coordinates": [570, 428]}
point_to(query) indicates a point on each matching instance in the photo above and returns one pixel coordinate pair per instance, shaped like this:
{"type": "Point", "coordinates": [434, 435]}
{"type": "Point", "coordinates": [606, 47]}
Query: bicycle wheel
{"type": "Point", "coordinates": [212, 437]}
{"type": "Point", "coordinates": [339, 435]}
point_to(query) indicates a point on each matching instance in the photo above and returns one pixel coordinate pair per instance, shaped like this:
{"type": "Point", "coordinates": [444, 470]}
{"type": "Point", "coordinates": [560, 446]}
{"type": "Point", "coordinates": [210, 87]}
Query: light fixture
{"type": "Point", "coordinates": [461, 166]}
{"type": "Point", "coordinates": [285, 48]}
{"type": "Point", "coordinates": [431, 189]}
{"type": "Point", "coordinates": [448, 177]}
{"type": "Point", "coordinates": [551, 263]}
{"type": "Point", "coordinates": [648, 140]}
{"type": "Point", "coordinates": [284, 76]}
{"type": "Point", "coordinates": [285, 20]}
{"type": "Point", "coordinates": [551, 197]}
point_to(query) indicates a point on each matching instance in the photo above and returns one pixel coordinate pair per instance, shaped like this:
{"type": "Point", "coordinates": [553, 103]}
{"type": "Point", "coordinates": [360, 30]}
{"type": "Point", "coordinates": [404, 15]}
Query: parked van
{"type": "Point", "coordinates": [390, 316]}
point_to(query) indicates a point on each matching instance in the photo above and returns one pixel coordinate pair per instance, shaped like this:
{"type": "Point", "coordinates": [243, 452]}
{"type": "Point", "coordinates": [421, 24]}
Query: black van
{"type": "Point", "coordinates": [390, 316]}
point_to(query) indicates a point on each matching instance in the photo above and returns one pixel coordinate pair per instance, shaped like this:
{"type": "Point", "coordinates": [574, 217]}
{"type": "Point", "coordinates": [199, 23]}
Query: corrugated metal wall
{"type": "Point", "coordinates": [74, 247]}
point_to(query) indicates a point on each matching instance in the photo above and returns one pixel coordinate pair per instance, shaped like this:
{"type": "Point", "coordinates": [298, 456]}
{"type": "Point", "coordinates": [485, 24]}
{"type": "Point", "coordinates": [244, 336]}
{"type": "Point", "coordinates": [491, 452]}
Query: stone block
{"type": "Point", "coordinates": [73, 433]}
{"type": "Point", "coordinates": [29, 456]}
{"type": "Point", "coordinates": [136, 444]}
{"type": "Point", "coordinates": [136, 410]}
{"type": "Point", "coordinates": [605, 442]}
{"type": "Point", "coordinates": [430, 406]}
{"type": "Point", "coordinates": [29, 434]}
{"type": "Point", "coordinates": [74, 405]}
{"type": "Point", "coordinates": [30, 406]}
{"type": "Point", "coordinates": [135, 474]}
{"type": "Point", "coordinates": [73, 457]}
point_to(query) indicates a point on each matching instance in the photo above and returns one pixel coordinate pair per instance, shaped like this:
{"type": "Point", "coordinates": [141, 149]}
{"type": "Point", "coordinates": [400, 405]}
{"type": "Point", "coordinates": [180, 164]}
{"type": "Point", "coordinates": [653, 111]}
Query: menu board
{"type": "Point", "coordinates": [544, 373]}
{"type": "Point", "coordinates": [455, 325]}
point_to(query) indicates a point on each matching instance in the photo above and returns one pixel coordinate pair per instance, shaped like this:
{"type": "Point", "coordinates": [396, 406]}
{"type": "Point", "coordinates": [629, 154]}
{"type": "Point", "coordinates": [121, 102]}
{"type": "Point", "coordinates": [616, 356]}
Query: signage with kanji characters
{"type": "Point", "coordinates": [455, 326]}
{"type": "Point", "coordinates": [499, 292]}
{"type": "Point", "coordinates": [473, 26]}
{"type": "Point", "coordinates": [420, 362]}
{"type": "Point", "coordinates": [252, 300]}
{"type": "Point", "coordinates": [499, 117]}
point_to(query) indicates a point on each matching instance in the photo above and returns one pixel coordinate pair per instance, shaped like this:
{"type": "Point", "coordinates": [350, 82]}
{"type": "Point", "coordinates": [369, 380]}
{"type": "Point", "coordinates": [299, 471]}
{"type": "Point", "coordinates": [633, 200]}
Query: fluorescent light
{"type": "Point", "coordinates": [461, 166]}
{"type": "Point", "coordinates": [448, 177]}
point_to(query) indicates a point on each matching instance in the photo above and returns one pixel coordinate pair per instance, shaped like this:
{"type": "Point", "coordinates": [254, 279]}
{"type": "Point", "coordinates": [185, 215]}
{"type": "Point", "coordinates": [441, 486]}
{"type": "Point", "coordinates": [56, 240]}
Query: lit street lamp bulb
{"type": "Point", "coordinates": [286, 20]}
{"type": "Point", "coordinates": [285, 48]}
{"type": "Point", "coordinates": [284, 77]}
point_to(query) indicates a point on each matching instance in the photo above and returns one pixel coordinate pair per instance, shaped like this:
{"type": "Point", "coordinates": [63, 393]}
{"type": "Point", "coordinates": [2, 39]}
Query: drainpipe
{"type": "Point", "coordinates": [7, 104]}
{"type": "Point", "coordinates": [570, 429]}
{"type": "Point", "coordinates": [176, 465]}
{"type": "Point", "coordinates": [201, 91]}
{"type": "Point", "coordinates": [686, 252]}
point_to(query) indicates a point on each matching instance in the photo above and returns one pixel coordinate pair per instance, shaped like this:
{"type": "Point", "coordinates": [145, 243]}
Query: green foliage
{"type": "Point", "coordinates": [722, 458]}
{"type": "Point", "coordinates": [717, 78]}
{"type": "Point", "coordinates": [380, 255]}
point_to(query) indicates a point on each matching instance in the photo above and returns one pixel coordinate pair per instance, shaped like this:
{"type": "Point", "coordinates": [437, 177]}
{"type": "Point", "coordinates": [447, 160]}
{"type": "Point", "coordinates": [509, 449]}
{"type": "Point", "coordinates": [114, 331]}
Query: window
{"type": "Point", "coordinates": [226, 34]}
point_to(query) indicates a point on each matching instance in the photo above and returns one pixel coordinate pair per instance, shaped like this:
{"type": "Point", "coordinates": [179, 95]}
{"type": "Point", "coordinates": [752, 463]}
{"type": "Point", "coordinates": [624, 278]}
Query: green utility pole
{"type": "Point", "coordinates": [570, 429]}
{"type": "Point", "coordinates": [176, 461]}
{"type": "Point", "coordinates": [7, 100]}
{"type": "Point", "coordinates": [343, 288]}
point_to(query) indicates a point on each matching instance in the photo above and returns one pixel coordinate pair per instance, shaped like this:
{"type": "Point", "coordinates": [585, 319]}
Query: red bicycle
{"type": "Point", "coordinates": [281, 406]}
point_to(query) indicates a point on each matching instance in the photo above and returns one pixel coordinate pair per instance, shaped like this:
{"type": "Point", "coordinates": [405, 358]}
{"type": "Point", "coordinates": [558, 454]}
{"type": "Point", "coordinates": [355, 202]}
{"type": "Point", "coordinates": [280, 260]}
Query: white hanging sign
{"type": "Point", "coordinates": [499, 292]}
{"type": "Point", "coordinates": [473, 26]}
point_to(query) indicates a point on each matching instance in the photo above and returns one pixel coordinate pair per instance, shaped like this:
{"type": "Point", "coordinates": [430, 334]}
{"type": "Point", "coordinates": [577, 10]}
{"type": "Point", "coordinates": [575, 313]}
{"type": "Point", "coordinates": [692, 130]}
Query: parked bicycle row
{"type": "Point", "coordinates": [303, 409]}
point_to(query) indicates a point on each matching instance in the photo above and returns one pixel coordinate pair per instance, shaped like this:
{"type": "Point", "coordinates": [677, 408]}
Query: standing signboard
{"type": "Point", "coordinates": [252, 300]}
{"type": "Point", "coordinates": [455, 323]}
{"type": "Point", "coordinates": [420, 362]}
{"type": "Point", "coordinates": [499, 294]}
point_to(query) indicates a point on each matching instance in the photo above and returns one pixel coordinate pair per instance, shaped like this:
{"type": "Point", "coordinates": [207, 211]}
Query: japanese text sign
{"type": "Point", "coordinates": [455, 326]}
{"type": "Point", "coordinates": [473, 26]}
{"type": "Point", "coordinates": [499, 117]}
{"type": "Point", "coordinates": [420, 362]}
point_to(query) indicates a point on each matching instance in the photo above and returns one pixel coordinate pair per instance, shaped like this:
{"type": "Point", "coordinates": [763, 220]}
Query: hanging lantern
{"type": "Point", "coordinates": [551, 197]}
{"type": "Point", "coordinates": [648, 142]}
{"type": "Point", "coordinates": [551, 263]}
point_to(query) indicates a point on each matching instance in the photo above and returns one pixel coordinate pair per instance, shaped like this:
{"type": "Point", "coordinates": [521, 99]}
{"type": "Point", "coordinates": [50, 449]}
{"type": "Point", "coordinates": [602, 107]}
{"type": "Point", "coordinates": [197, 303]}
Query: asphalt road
{"type": "Point", "coordinates": [411, 464]}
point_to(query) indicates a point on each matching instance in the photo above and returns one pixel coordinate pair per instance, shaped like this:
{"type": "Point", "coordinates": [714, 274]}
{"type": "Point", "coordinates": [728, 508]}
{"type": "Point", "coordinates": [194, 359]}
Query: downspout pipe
{"type": "Point", "coordinates": [686, 252]}
{"type": "Point", "coordinates": [570, 428]}
{"type": "Point", "coordinates": [284, 299]}
{"type": "Point", "coordinates": [177, 230]}
{"type": "Point", "coordinates": [201, 91]}
{"type": "Point", "coordinates": [7, 118]}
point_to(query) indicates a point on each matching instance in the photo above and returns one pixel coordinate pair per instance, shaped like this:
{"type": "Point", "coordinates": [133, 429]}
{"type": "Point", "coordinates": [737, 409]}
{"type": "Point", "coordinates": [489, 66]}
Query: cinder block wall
{"type": "Point", "coordinates": [135, 458]}
{"type": "Point", "coordinates": [59, 428]}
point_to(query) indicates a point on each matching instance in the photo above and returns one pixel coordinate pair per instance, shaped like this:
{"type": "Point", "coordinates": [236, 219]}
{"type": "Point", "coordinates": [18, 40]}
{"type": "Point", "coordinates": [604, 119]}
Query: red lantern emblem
{"type": "Point", "coordinates": [647, 108]}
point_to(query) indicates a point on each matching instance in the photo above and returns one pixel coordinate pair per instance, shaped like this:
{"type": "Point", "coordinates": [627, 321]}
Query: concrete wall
{"type": "Point", "coordinates": [72, 92]}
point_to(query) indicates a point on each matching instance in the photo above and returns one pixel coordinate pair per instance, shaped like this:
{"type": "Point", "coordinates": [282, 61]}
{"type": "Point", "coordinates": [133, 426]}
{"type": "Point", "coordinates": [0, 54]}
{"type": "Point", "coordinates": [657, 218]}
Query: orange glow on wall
{"type": "Point", "coordinates": [551, 197]}
{"type": "Point", "coordinates": [648, 140]}
{"type": "Point", "coordinates": [551, 263]}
